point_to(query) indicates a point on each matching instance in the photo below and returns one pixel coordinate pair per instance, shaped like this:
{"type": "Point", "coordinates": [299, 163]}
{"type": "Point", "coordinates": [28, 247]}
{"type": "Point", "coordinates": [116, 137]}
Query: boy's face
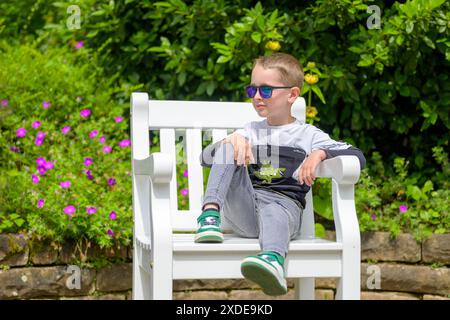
{"type": "Point", "coordinates": [277, 109]}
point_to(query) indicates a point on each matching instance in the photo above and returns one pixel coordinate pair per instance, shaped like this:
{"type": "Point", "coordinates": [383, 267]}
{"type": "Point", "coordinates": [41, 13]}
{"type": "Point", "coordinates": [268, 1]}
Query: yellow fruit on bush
{"type": "Point", "coordinates": [273, 45]}
{"type": "Point", "coordinates": [311, 112]}
{"type": "Point", "coordinates": [311, 78]}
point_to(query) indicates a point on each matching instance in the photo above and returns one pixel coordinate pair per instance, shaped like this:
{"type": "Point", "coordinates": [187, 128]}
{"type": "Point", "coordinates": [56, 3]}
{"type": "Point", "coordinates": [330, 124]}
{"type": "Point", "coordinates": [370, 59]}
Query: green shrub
{"type": "Point", "coordinates": [43, 93]}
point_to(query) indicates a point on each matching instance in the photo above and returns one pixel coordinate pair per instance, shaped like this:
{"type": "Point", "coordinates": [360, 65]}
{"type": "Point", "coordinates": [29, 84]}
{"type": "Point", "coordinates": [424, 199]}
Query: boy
{"type": "Point", "coordinates": [267, 200]}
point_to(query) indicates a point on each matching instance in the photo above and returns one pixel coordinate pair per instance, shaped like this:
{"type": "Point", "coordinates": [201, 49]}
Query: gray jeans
{"type": "Point", "coordinates": [252, 213]}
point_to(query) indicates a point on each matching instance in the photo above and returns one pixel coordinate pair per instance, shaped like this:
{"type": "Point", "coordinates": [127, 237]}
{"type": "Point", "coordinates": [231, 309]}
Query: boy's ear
{"type": "Point", "coordinates": [294, 94]}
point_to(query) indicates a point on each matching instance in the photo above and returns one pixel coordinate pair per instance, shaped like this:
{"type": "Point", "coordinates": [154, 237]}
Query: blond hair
{"type": "Point", "coordinates": [289, 68]}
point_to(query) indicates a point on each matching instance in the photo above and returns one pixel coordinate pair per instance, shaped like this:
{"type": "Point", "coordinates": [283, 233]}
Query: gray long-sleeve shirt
{"type": "Point", "coordinates": [280, 150]}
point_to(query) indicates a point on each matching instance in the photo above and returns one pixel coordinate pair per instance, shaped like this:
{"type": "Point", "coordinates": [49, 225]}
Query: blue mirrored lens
{"type": "Point", "coordinates": [265, 92]}
{"type": "Point", "coordinates": [251, 91]}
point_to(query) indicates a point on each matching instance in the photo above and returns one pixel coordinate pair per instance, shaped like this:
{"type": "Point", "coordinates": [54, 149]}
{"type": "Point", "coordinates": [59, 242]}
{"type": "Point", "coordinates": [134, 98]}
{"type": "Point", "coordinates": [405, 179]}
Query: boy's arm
{"type": "Point", "coordinates": [322, 141]}
{"type": "Point", "coordinates": [207, 155]}
{"type": "Point", "coordinates": [352, 151]}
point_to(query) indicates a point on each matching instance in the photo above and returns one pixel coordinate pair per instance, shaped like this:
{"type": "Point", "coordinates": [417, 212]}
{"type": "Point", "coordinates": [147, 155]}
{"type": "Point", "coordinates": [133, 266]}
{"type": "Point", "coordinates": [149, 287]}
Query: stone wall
{"type": "Point", "coordinates": [391, 269]}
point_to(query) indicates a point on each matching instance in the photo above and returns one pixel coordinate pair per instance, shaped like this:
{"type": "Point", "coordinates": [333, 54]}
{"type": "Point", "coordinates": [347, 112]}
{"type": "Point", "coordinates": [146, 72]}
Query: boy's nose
{"type": "Point", "coordinates": [257, 95]}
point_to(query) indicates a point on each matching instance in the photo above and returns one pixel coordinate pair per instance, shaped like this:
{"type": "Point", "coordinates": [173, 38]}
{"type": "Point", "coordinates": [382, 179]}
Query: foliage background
{"type": "Point", "coordinates": [386, 90]}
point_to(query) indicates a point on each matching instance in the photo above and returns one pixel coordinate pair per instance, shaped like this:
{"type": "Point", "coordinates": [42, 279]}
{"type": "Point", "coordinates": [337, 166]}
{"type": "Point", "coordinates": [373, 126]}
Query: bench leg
{"type": "Point", "coordinates": [141, 279]}
{"type": "Point", "coordinates": [150, 282]}
{"type": "Point", "coordinates": [304, 289]}
{"type": "Point", "coordinates": [347, 288]}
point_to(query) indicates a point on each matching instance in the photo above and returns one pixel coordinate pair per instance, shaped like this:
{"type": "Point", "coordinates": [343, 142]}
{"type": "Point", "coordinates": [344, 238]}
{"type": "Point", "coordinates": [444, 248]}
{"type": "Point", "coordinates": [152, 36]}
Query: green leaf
{"type": "Point", "coordinates": [256, 36]}
{"type": "Point", "coordinates": [319, 230]}
{"type": "Point", "coordinates": [414, 192]}
{"type": "Point", "coordinates": [323, 207]}
{"type": "Point", "coordinates": [317, 91]}
{"type": "Point", "coordinates": [428, 42]}
{"type": "Point", "coordinates": [260, 23]}
{"type": "Point", "coordinates": [428, 186]}
{"type": "Point", "coordinates": [181, 78]}
{"type": "Point", "coordinates": [399, 40]}
{"type": "Point", "coordinates": [409, 26]}
{"type": "Point", "coordinates": [210, 87]}
{"type": "Point", "coordinates": [224, 59]}
{"type": "Point", "coordinates": [19, 222]}
{"type": "Point", "coordinates": [366, 60]}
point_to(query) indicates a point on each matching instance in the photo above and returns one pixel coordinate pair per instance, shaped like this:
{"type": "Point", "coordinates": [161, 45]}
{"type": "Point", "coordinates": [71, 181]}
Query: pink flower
{"type": "Point", "coordinates": [21, 132]}
{"type": "Point", "coordinates": [46, 104]}
{"type": "Point", "coordinates": [40, 161]}
{"type": "Point", "coordinates": [14, 149]}
{"type": "Point", "coordinates": [4, 102]}
{"type": "Point", "coordinates": [35, 179]}
{"type": "Point", "coordinates": [91, 210]}
{"type": "Point", "coordinates": [87, 162]}
{"type": "Point", "coordinates": [107, 149]}
{"type": "Point", "coordinates": [65, 130]}
{"type": "Point", "coordinates": [185, 173]}
{"type": "Point", "coordinates": [101, 139]}
{"type": "Point", "coordinates": [65, 184]}
{"type": "Point", "coordinates": [184, 192]}
{"type": "Point", "coordinates": [36, 124]}
{"type": "Point", "coordinates": [374, 217]}
{"type": "Point", "coordinates": [118, 119]}
{"type": "Point", "coordinates": [79, 45]}
{"type": "Point", "coordinates": [89, 175]}
{"type": "Point", "coordinates": [40, 138]}
{"type": "Point", "coordinates": [111, 182]}
{"type": "Point", "coordinates": [41, 170]}
{"type": "Point", "coordinates": [403, 208]}
{"type": "Point", "coordinates": [70, 210]}
{"type": "Point", "coordinates": [93, 133]}
{"type": "Point", "coordinates": [40, 203]}
{"type": "Point", "coordinates": [110, 233]}
{"type": "Point", "coordinates": [124, 143]}
{"type": "Point", "coordinates": [49, 165]}
{"type": "Point", "coordinates": [85, 113]}
{"type": "Point", "coordinates": [112, 215]}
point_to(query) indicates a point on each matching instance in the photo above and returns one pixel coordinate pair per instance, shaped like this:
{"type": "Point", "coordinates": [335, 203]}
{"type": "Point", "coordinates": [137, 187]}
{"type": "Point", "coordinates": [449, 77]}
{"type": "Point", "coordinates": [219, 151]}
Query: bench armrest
{"type": "Point", "coordinates": [159, 166]}
{"type": "Point", "coordinates": [343, 169]}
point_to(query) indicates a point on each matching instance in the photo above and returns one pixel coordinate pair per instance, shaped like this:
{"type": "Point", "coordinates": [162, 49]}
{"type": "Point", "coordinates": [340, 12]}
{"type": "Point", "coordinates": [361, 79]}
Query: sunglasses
{"type": "Point", "coordinates": [264, 91]}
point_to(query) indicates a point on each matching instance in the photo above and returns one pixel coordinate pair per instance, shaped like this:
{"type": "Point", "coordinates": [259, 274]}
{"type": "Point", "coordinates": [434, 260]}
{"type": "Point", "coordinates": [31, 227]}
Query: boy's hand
{"type": "Point", "coordinates": [242, 149]}
{"type": "Point", "coordinates": [307, 172]}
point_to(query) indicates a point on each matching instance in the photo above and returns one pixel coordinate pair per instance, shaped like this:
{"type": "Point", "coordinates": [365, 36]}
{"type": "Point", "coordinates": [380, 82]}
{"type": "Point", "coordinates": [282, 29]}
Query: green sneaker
{"type": "Point", "coordinates": [266, 269]}
{"type": "Point", "coordinates": [209, 227]}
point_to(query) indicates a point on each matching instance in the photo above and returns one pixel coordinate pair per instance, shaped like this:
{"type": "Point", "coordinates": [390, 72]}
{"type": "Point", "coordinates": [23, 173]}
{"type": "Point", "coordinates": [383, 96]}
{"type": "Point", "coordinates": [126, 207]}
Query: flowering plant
{"type": "Point", "coordinates": [66, 153]}
{"type": "Point", "coordinates": [312, 75]}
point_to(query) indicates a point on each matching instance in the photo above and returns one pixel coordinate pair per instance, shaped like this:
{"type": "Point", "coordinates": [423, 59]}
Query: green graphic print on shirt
{"type": "Point", "coordinates": [267, 172]}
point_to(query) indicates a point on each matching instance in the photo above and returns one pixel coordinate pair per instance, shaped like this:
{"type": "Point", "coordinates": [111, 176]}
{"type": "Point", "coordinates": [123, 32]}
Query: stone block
{"type": "Point", "coordinates": [34, 282]}
{"type": "Point", "coordinates": [436, 248]}
{"type": "Point", "coordinates": [409, 278]}
{"type": "Point", "coordinates": [200, 295]}
{"type": "Point", "coordinates": [379, 246]}
{"type": "Point", "coordinates": [433, 297]}
{"type": "Point", "coordinates": [43, 253]}
{"type": "Point", "coordinates": [373, 295]}
{"type": "Point", "coordinates": [117, 277]}
{"type": "Point", "coordinates": [14, 250]}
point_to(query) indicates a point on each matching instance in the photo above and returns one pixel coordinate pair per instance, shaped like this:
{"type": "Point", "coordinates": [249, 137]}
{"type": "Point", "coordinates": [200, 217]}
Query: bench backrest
{"type": "Point", "coordinates": [193, 118]}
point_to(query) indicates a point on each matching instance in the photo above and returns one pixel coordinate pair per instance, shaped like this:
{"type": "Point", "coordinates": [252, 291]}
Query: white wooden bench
{"type": "Point", "coordinates": [164, 247]}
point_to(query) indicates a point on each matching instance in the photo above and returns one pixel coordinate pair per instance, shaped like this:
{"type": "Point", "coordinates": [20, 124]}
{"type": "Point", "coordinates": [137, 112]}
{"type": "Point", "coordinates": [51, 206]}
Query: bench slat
{"type": "Point", "coordinates": [200, 114]}
{"type": "Point", "coordinates": [218, 134]}
{"type": "Point", "coordinates": [167, 145]}
{"type": "Point", "coordinates": [195, 171]}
